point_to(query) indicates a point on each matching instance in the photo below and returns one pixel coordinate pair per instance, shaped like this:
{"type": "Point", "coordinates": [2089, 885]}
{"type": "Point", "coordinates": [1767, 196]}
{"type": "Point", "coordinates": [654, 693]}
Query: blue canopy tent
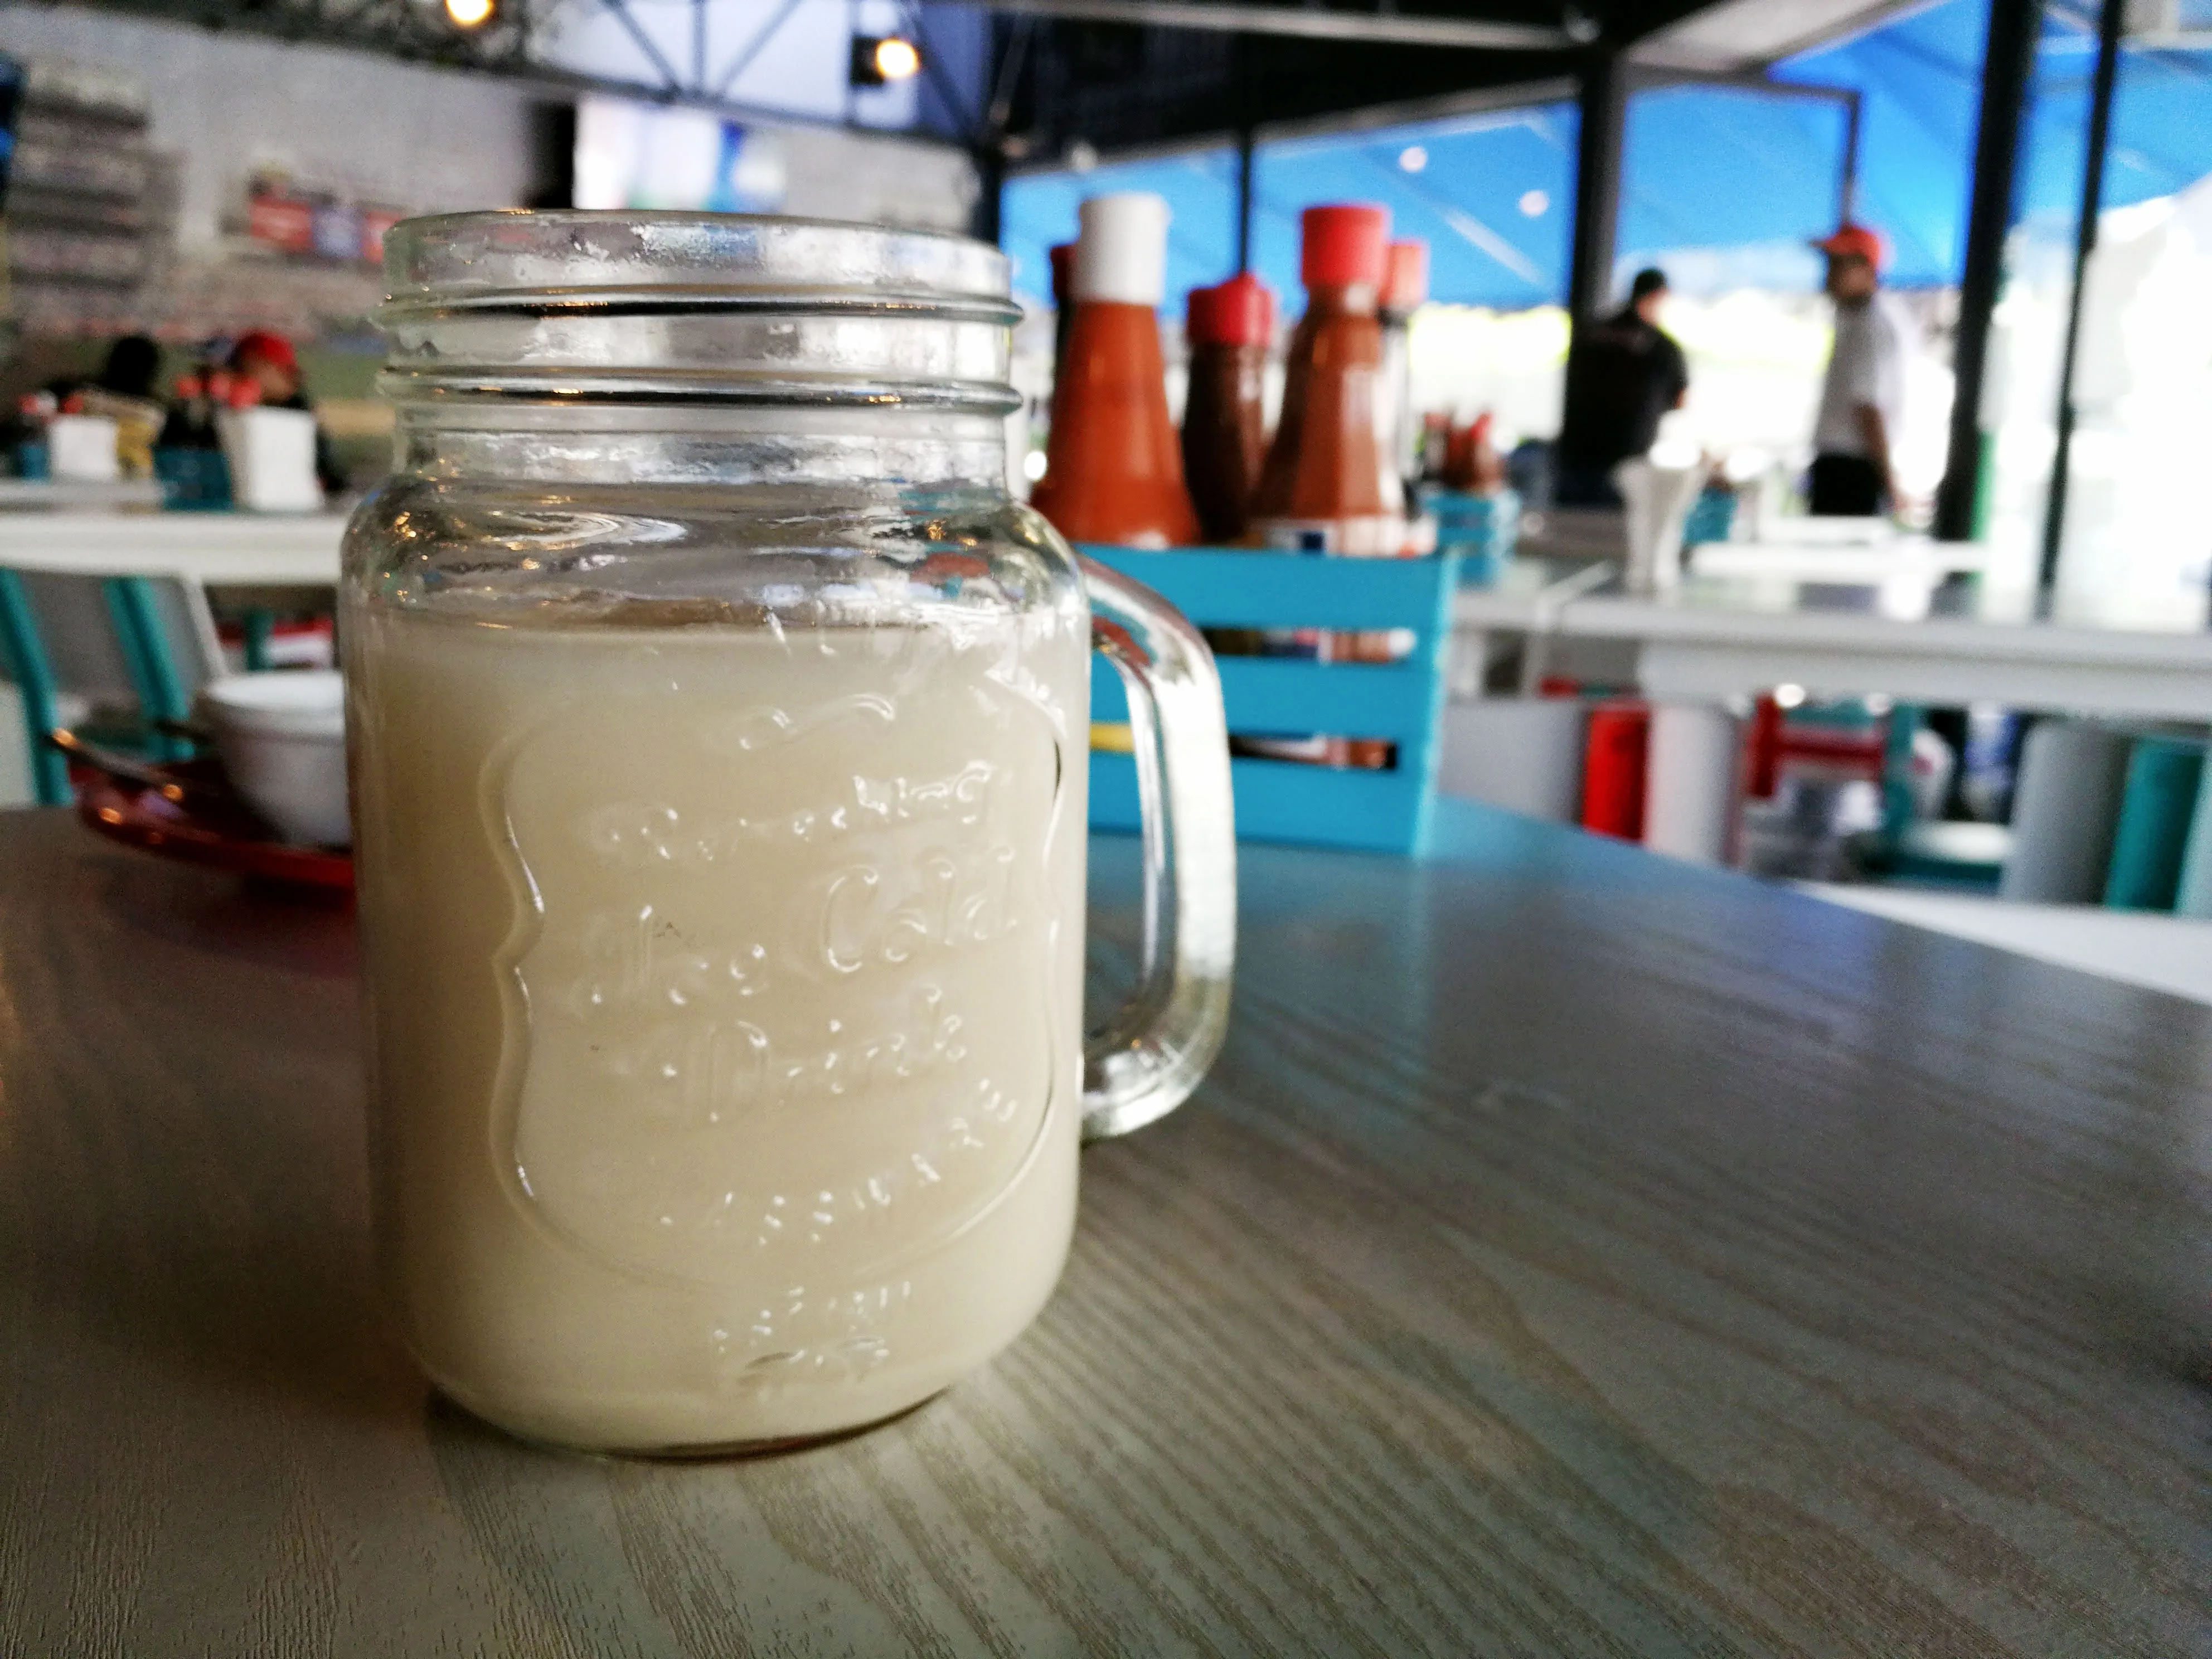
{"type": "Point", "coordinates": [1038, 210]}
{"type": "Point", "coordinates": [1491, 194]}
{"type": "Point", "coordinates": [1723, 183]}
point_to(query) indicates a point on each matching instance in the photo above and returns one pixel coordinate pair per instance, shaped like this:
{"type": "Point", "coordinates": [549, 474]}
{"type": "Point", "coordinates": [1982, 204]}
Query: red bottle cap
{"type": "Point", "coordinates": [1063, 273]}
{"type": "Point", "coordinates": [1343, 243]}
{"type": "Point", "coordinates": [1239, 311]}
{"type": "Point", "coordinates": [1406, 276]}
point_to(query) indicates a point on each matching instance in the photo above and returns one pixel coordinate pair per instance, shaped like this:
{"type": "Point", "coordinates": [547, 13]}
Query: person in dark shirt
{"type": "Point", "coordinates": [1624, 375]}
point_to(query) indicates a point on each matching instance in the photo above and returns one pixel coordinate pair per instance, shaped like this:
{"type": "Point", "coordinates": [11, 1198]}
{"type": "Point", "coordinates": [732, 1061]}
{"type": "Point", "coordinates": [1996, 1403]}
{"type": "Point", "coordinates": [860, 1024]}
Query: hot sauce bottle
{"type": "Point", "coordinates": [1112, 466]}
{"type": "Point", "coordinates": [1225, 431]}
{"type": "Point", "coordinates": [1329, 485]}
{"type": "Point", "coordinates": [1322, 491]}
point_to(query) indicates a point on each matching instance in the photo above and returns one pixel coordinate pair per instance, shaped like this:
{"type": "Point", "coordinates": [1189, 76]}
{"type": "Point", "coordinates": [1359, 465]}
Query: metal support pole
{"type": "Point", "coordinates": [984, 221]}
{"type": "Point", "coordinates": [1240, 66]}
{"type": "Point", "coordinates": [1847, 204]}
{"type": "Point", "coordinates": [1604, 106]}
{"type": "Point", "coordinates": [1604, 109]}
{"type": "Point", "coordinates": [2008, 73]}
{"type": "Point", "coordinates": [2110, 22]}
{"type": "Point", "coordinates": [1243, 200]}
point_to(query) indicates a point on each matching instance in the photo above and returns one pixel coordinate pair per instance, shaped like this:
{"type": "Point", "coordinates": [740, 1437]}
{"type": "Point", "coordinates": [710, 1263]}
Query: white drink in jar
{"type": "Point", "coordinates": [725, 1002]}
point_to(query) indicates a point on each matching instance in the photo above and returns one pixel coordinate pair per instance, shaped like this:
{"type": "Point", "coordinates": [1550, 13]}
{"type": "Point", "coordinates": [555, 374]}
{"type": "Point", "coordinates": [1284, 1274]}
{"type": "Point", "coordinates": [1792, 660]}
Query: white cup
{"type": "Point", "coordinates": [81, 449]}
{"type": "Point", "coordinates": [273, 460]}
{"type": "Point", "coordinates": [281, 737]}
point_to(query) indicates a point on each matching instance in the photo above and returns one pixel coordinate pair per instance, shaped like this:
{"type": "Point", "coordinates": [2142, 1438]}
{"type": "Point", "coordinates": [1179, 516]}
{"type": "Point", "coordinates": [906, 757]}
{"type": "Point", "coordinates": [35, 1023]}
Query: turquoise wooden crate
{"type": "Point", "coordinates": [1402, 702]}
{"type": "Point", "coordinates": [1482, 530]}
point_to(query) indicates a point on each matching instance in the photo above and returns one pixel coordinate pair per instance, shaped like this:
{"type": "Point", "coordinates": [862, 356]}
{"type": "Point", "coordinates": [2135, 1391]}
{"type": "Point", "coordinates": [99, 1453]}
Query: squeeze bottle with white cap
{"type": "Point", "coordinates": [1114, 466]}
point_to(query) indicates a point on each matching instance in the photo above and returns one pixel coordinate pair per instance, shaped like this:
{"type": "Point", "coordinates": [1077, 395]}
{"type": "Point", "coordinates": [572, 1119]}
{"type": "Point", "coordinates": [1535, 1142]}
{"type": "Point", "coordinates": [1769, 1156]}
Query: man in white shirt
{"type": "Point", "coordinates": [1864, 391]}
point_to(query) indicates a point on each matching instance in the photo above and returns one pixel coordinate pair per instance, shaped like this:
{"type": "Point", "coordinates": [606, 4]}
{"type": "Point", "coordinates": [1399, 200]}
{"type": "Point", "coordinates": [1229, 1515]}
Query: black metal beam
{"type": "Point", "coordinates": [2008, 73]}
{"type": "Point", "coordinates": [743, 58]}
{"type": "Point", "coordinates": [1603, 101]}
{"type": "Point", "coordinates": [1847, 190]}
{"type": "Point", "coordinates": [669, 79]}
{"type": "Point", "coordinates": [2111, 21]}
{"type": "Point", "coordinates": [985, 221]}
{"type": "Point", "coordinates": [1603, 98]}
{"type": "Point", "coordinates": [1244, 148]}
{"type": "Point", "coordinates": [1309, 22]}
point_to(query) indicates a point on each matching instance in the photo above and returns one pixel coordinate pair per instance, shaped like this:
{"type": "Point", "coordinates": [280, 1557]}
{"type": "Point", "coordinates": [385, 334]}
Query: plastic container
{"type": "Point", "coordinates": [1614, 768]}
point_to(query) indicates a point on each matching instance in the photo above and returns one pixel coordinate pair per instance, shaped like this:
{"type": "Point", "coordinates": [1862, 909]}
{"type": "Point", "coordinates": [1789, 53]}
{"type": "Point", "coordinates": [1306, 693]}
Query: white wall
{"type": "Point", "coordinates": [227, 104]}
{"type": "Point", "coordinates": [801, 69]}
{"type": "Point", "coordinates": [430, 140]}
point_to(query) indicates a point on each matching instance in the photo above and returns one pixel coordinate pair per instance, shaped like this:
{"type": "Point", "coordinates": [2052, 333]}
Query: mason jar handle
{"type": "Point", "coordinates": [1157, 1047]}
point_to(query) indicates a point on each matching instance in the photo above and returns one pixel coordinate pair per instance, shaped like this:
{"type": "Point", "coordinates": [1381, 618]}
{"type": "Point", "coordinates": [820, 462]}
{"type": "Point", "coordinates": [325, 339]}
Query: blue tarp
{"type": "Point", "coordinates": [1492, 195]}
{"type": "Point", "coordinates": [1726, 183]}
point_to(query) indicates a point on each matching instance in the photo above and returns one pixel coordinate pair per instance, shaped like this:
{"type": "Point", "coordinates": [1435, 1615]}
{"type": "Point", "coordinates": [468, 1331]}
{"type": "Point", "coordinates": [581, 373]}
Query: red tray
{"type": "Point", "coordinates": [142, 816]}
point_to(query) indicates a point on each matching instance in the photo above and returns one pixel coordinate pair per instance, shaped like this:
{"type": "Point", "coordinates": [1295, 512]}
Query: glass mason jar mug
{"type": "Point", "coordinates": [720, 729]}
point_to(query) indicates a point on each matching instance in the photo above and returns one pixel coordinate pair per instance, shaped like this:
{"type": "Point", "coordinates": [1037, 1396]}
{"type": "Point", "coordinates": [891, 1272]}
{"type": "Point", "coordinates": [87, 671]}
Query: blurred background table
{"type": "Point", "coordinates": [217, 549]}
{"type": "Point", "coordinates": [1904, 636]}
{"type": "Point", "coordinates": [1574, 1252]}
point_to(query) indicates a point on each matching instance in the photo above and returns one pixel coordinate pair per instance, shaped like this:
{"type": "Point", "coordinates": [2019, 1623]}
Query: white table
{"type": "Point", "coordinates": [1836, 561]}
{"type": "Point", "coordinates": [218, 550]}
{"type": "Point", "coordinates": [1713, 641]}
{"type": "Point", "coordinates": [1526, 600]}
{"type": "Point", "coordinates": [67, 493]}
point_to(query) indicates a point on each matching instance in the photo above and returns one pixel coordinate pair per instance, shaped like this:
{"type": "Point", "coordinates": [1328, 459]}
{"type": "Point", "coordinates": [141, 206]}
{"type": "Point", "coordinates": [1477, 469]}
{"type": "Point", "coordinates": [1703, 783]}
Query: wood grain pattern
{"type": "Point", "coordinates": [1573, 1253]}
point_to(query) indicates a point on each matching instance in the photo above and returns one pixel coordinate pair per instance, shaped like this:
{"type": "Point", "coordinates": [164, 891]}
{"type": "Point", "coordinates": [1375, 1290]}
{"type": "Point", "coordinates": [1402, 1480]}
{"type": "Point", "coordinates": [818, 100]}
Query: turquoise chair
{"type": "Point", "coordinates": [1402, 702]}
{"type": "Point", "coordinates": [156, 635]}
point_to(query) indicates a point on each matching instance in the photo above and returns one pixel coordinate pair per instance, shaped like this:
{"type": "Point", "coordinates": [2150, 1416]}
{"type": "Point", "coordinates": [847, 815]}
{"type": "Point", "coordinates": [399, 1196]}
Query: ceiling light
{"type": "Point", "coordinates": [1413, 158]}
{"type": "Point", "coordinates": [469, 14]}
{"type": "Point", "coordinates": [897, 58]}
{"type": "Point", "coordinates": [880, 60]}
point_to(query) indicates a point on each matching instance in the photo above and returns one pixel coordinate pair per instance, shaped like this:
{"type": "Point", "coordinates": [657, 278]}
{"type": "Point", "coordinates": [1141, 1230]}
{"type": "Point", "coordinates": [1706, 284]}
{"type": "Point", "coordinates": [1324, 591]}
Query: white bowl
{"type": "Point", "coordinates": [281, 737]}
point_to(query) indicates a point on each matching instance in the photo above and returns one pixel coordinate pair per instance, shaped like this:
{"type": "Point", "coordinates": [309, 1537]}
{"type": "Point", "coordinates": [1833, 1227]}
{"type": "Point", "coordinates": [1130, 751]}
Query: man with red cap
{"type": "Point", "coordinates": [1863, 393]}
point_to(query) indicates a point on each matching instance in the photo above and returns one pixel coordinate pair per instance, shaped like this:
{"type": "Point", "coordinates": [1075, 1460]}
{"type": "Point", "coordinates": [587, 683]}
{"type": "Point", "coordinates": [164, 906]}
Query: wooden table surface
{"type": "Point", "coordinates": [1573, 1252]}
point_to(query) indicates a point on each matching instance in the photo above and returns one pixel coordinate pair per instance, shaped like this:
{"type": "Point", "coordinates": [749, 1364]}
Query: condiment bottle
{"type": "Point", "coordinates": [1322, 488]}
{"type": "Point", "coordinates": [1225, 431]}
{"type": "Point", "coordinates": [1405, 290]}
{"type": "Point", "coordinates": [1326, 488]}
{"type": "Point", "coordinates": [1113, 467]}
{"type": "Point", "coordinates": [1063, 305]}
{"type": "Point", "coordinates": [1472, 463]}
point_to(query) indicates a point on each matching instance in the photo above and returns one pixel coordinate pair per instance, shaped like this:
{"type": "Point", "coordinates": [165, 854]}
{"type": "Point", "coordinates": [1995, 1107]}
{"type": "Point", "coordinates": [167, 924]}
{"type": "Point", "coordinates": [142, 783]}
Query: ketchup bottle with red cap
{"type": "Point", "coordinates": [1225, 424]}
{"type": "Point", "coordinates": [1113, 467]}
{"type": "Point", "coordinates": [1328, 486]}
{"type": "Point", "coordinates": [1322, 488]}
